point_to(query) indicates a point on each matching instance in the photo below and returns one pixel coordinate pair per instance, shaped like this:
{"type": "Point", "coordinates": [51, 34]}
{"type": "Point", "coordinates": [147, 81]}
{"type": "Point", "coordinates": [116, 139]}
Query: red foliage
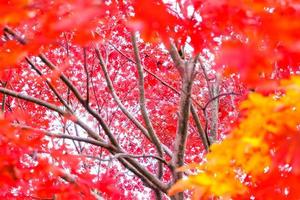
{"type": "Point", "coordinates": [255, 43]}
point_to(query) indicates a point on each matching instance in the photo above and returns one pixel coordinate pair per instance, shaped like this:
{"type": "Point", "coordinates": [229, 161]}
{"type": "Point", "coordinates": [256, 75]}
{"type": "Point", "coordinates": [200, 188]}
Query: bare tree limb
{"type": "Point", "coordinates": [52, 107]}
{"type": "Point", "coordinates": [50, 85]}
{"type": "Point", "coordinates": [33, 100]}
{"type": "Point", "coordinates": [214, 109]}
{"type": "Point", "coordinates": [87, 76]}
{"type": "Point", "coordinates": [3, 98]}
{"type": "Point", "coordinates": [120, 104]}
{"type": "Point", "coordinates": [182, 123]}
{"type": "Point", "coordinates": [130, 164]}
{"type": "Point", "coordinates": [82, 101]}
{"type": "Point", "coordinates": [114, 148]}
{"type": "Point", "coordinates": [60, 135]}
{"type": "Point", "coordinates": [179, 63]}
{"type": "Point", "coordinates": [144, 111]}
{"type": "Point", "coordinates": [219, 96]}
{"type": "Point", "coordinates": [155, 76]}
{"type": "Point", "coordinates": [141, 156]}
{"type": "Point", "coordinates": [108, 132]}
{"type": "Point", "coordinates": [154, 180]}
{"type": "Point", "coordinates": [14, 35]}
{"type": "Point", "coordinates": [201, 132]}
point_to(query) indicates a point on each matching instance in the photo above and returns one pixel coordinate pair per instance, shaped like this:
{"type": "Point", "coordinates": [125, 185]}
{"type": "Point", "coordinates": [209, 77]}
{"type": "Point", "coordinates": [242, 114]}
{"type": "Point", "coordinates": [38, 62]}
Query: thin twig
{"type": "Point", "coordinates": [50, 85]}
{"type": "Point", "coordinates": [141, 156]}
{"type": "Point", "coordinates": [87, 76]}
{"type": "Point", "coordinates": [219, 96]}
{"type": "Point", "coordinates": [203, 135]}
{"type": "Point", "coordinates": [60, 135]}
{"type": "Point", "coordinates": [82, 101]}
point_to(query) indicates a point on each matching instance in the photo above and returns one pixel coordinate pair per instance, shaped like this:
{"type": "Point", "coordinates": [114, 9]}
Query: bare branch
{"type": "Point", "coordinates": [50, 85]}
{"type": "Point", "coordinates": [87, 76]}
{"type": "Point", "coordinates": [219, 96]}
{"type": "Point", "coordinates": [82, 101]}
{"type": "Point", "coordinates": [120, 104]}
{"type": "Point", "coordinates": [52, 107]}
{"type": "Point", "coordinates": [16, 36]}
{"type": "Point", "coordinates": [215, 90]}
{"type": "Point", "coordinates": [33, 100]}
{"type": "Point", "coordinates": [119, 155]}
{"type": "Point", "coordinates": [131, 164]}
{"type": "Point", "coordinates": [70, 137]}
{"type": "Point", "coordinates": [108, 132]}
{"type": "Point", "coordinates": [155, 76]}
{"type": "Point", "coordinates": [144, 111]}
{"type": "Point", "coordinates": [179, 63]}
{"type": "Point", "coordinates": [101, 144]}
{"type": "Point", "coordinates": [146, 181]}
{"type": "Point", "coordinates": [203, 135]}
{"type": "Point", "coordinates": [3, 98]}
{"type": "Point", "coordinates": [154, 180]}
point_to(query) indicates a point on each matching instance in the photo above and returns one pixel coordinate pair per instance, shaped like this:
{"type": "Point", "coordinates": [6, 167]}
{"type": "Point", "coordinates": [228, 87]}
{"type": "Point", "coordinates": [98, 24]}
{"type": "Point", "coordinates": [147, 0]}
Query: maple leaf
{"type": "Point", "coordinates": [155, 19]}
{"type": "Point", "coordinates": [10, 54]}
{"type": "Point", "coordinates": [252, 65]}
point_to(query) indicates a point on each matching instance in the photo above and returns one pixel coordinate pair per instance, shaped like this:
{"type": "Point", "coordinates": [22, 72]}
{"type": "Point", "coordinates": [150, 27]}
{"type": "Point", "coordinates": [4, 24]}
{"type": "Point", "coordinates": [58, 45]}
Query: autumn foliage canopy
{"type": "Point", "coordinates": [149, 99]}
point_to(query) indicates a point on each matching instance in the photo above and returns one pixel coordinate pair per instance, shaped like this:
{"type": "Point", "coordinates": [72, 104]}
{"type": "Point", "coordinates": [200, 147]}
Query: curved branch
{"type": "Point", "coordinates": [219, 96]}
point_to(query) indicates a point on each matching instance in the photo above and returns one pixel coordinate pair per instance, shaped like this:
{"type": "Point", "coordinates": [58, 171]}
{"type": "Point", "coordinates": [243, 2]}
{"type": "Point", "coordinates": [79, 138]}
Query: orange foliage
{"type": "Point", "coordinates": [267, 136]}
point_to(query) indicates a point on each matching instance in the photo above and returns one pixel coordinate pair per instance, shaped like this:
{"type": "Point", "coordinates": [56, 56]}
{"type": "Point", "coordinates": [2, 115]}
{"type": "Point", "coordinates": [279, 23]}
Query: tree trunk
{"type": "Point", "coordinates": [183, 122]}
